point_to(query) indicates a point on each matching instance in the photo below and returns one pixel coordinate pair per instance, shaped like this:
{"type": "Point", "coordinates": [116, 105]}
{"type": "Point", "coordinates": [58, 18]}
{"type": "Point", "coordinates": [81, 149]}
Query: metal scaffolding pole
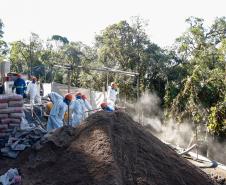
{"type": "Point", "coordinates": [103, 69]}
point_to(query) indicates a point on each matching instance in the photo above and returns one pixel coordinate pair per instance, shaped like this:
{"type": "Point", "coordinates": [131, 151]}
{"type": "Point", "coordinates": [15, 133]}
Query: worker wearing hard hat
{"type": "Point", "coordinates": [106, 107]}
{"type": "Point", "coordinates": [112, 94]}
{"type": "Point", "coordinates": [58, 110]}
{"type": "Point", "coordinates": [48, 107]}
{"type": "Point", "coordinates": [77, 110]}
{"type": "Point", "coordinates": [32, 90]}
{"type": "Point", "coordinates": [20, 86]}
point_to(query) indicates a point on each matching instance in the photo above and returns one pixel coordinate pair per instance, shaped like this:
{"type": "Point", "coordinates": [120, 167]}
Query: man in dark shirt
{"type": "Point", "coordinates": [20, 86]}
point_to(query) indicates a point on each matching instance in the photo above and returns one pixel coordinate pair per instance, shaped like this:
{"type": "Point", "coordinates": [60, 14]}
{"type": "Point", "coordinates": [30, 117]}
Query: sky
{"type": "Point", "coordinates": [81, 20]}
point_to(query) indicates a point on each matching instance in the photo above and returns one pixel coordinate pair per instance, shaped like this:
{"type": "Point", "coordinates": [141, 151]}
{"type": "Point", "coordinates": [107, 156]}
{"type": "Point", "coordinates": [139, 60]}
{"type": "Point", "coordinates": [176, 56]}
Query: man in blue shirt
{"type": "Point", "coordinates": [20, 86]}
{"type": "Point", "coordinates": [106, 107]}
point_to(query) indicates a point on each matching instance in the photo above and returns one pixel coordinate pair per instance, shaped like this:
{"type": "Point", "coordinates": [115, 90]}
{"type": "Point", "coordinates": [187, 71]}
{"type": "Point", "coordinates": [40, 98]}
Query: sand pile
{"type": "Point", "coordinates": [109, 149]}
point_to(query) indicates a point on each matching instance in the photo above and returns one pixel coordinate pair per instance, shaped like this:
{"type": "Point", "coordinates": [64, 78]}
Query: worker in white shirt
{"type": "Point", "coordinates": [87, 106]}
{"type": "Point", "coordinates": [33, 91]}
{"type": "Point", "coordinates": [112, 94]}
{"type": "Point", "coordinates": [77, 110]}
{"type": "Point", "coordinates": [60, 106]}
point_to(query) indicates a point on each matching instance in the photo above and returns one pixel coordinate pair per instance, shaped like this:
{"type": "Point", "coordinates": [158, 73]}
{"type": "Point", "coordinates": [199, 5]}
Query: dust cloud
{"type": "Point", "coordinates": [147, 112]}
{"type": "Point", "coordinates": [151, 116]}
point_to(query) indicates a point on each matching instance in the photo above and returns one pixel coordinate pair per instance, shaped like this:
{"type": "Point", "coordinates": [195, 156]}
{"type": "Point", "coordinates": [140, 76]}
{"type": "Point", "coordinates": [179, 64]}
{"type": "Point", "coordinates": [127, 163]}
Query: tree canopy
{"type": "Point", "coordinates": [3, 44]}
{"type": "Point", "coordinates": [201, 91]}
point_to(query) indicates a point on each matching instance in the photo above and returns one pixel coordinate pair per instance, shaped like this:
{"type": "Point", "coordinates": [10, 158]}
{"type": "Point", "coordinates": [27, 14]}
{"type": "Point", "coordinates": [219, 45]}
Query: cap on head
{"type": "Point", "coordinates": [68, 96]}
{"type": "Point", "coordinates": [78, 94]}
{"type": "Point", "coordinates": [103, 105]}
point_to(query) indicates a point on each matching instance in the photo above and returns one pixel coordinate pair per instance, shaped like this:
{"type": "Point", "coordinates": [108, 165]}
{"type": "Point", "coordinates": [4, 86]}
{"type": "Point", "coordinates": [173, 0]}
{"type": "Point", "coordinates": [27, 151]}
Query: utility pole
{"type": "Point", "coordinates": [138, 70]}
{"type": "Point", "coordinates": [196, 138]}
{"type": "Point", "coordinates": [107, 80]}
{"type": "Point", "coordinates": [69, 80]}
{"type": "Point", "coordinates": [30, 52]}
{"type": "Point", "coordinates": [69, 89]}
{"type": "Point", "coordinates": [138, 100]}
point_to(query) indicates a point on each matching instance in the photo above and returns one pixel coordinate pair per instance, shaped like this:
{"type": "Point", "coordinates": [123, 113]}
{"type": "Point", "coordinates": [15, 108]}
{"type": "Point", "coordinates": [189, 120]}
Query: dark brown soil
{"type": "Point", "coordinates": [108, 149]}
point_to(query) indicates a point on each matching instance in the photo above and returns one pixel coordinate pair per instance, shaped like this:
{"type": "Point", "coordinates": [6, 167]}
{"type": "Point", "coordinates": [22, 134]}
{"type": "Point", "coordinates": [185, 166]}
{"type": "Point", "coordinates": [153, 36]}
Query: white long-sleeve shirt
{"type": "Point", "coordinates": [32, 89]}
{"type": "Point", "coordinates": [77, 112]}
{"type": "Point", "coordinates": [111, 94]}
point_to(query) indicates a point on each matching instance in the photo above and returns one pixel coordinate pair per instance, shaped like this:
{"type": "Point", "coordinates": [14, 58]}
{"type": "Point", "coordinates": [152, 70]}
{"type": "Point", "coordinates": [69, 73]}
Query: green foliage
{"type": "Point", "coordinates": [61, 39]}
{"type": "Point", "coordinates": [3, 44]}
{"type": "Point", "coordinates": [201, 97]}
{"type": "Point", "coordinates": [26, 56]}
{"type": "Point", "coordinates": [3, 48]}
{"type": "Point", "coordinates": [217, 119]}
{"type": "Point", "coordinates": [127, 47]}
{"type": "Point", "coordinates": [19, 57]}
{"type": "Point", "coordinates": [1, 26]}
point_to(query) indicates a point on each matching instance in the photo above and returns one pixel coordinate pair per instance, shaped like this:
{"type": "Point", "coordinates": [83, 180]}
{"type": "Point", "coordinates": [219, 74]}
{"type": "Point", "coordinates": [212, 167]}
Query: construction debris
{"type": "Point", "coordinates": [11, 177]}
{"type": "Point", "coordinates": [19, 140]}
{"type": "Point", "coordinates": [108, 149]}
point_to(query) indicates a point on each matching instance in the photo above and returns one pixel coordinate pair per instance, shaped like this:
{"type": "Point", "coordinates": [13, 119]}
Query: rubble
{"type": "Point", "coordinates": [19, 140]}
{"type": "Point", "coordinates": [11, 177]}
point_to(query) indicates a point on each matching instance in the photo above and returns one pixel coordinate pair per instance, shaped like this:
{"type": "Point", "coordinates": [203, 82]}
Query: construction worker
{"type": "Point", "coordinates": [20, 86]}
{"type": "Point", "coordinates": [86, 105]}
{"type": "Point", "coordinates": [60, 106]}
{"type": "Point", "coordinates": [106, 107]}
{"type": "Point", "coordinates": [77, 110]}
{"type": "Point", "coordinates": [53, 97]}
{"type": "Point", "coordinates": [33, 91]}
{"type": "Point", "coordinates": [112, 94]}
{"type": "Point", "coordinates": [48, 106]}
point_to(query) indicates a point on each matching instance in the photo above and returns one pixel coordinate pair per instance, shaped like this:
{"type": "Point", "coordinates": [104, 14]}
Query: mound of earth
{"type": "Point", "coordinates": [108, 149]}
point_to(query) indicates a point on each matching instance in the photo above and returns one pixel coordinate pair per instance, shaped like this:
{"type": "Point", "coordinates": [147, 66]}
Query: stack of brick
{"type": "Point", "coordinates": [11, 113]}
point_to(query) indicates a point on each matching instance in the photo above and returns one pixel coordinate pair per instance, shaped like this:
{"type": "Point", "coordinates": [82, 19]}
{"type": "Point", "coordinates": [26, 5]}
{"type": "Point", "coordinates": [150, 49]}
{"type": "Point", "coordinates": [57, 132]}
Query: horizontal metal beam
{"type": "Point", "coordinates": [104, 69]}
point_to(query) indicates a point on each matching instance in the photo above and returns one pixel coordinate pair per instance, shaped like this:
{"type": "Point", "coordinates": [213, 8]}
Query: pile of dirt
{"type": "Point", "coordinates": [108, 149]}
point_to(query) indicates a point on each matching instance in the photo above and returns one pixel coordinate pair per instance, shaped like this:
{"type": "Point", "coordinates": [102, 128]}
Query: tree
{"type": "Point", "coordinates": [78, 54]}
{"type": "Point", "coordinates": [26, 56]}
{"type": "Point", "coordinates": [59, 41]}
{"type": "Point", "coordinates": [3, 44]}
{"type": "Point", "coordinates": [19, 57]}
{"type": "Point", "coordinates": [3, 48]}
{"type": "Point", "coordinates": [127, 47]}
{"type": "Point", "coordinates": [1, 27]}
{"type": "Point", "coordinates": [202, 90]}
